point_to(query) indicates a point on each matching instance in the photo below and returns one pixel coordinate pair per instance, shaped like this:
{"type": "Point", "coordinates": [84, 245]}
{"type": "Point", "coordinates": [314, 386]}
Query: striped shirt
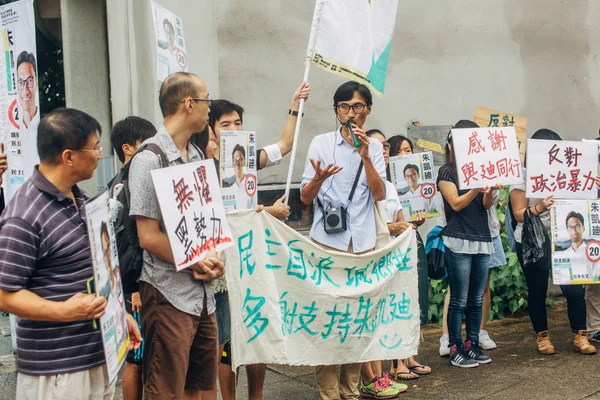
{"type": "Point", "coordinates": [44, 248]}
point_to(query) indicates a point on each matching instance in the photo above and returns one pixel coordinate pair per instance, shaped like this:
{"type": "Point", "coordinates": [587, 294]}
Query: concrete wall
{"type": "Point", "coordinates": [532, 58]}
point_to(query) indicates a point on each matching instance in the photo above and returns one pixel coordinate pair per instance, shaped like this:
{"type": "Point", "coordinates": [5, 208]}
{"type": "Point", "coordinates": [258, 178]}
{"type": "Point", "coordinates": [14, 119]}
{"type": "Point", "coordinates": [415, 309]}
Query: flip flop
{"type": "Point", "coordinates": [414, 367]}
{"type": "Point", "coordinates": [408, 378]}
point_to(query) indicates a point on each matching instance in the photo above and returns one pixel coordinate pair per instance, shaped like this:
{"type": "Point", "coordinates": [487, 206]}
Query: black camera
{"type": "Point", "coordinates": [335, 220]}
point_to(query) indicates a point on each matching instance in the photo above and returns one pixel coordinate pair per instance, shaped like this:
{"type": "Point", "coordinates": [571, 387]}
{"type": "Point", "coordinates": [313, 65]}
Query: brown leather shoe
{"type": "Point", "coordinates": [582, 345]}
{"type": "Point", "coordinates": [544, 344]}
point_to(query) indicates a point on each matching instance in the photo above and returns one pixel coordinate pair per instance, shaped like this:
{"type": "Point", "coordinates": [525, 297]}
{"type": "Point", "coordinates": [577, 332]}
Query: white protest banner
{"type": "Point", "coordinates": [414, 178]}
{"type": "Point", "coordinates": [292, 302]}
{"type": "Point", "coordinates": [107, 283]}
{"type": "Point", "coordinates": [238, 170]}
{"type": "Point", "coordinates": [190, 202]}
{"type": "Point", "coordinates": [566, 170]}
{"type": "Point", "coordinates": [362, 55]}
{"type": "Point", "coordinates": [19, 97]}
{"type": "Point", "coordinates": [170, 43]}
{"type": "Point", "coordinates": [576, 242]}
{"type": "Point", "coordinates": [486, 156]}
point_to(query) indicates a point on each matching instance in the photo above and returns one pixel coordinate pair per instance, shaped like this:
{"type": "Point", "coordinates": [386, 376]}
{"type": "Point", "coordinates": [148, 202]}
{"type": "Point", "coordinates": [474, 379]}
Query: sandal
{"type": "Point", "coordinates": [409, 375]}
{"type": "Point", "coordinates": [414, 369]}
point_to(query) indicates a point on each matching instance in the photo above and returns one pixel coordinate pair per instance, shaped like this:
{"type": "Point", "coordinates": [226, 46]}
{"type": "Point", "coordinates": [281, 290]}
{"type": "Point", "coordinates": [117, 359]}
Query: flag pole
{"type": "Point", "coordinates": [296, 136]}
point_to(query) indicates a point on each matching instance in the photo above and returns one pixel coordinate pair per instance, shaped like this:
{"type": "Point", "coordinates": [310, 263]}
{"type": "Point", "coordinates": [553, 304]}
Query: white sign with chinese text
{"type": "Point", "coordinates": [486, 157]}
{"type": "Point", "coordinates": [576, 242]}
{"type": "Point", "coordinates": [190, 202]}
{"type": "Point", "coordinates": [170, 43]}
{"type": "Point", "coordinates": [107, 283]}
{"type": "Point", "coordinates": [566, 170]}
{"type": "Point", "coordinates": [238, 170]}
{"type": "Point", "coordinates": [293, 302]}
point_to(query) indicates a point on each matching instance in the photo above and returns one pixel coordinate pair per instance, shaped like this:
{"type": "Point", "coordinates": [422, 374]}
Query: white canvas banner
{"type": "Point", "coordinates": [292, 302]}
{"type": "Point", "coordinates": [566, 170]}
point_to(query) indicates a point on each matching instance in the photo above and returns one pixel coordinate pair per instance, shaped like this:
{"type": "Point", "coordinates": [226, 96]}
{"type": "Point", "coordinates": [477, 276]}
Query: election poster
{"type": "Point", "coordinates": [191, 206]}
{"type": "Point", "coordinates": [414, 178]}
{"type": "Point", "coordinates": [486, 117]}
{"type": "Point", "coordinates": [566, 170]}
{"type": "Point", "coordinates": [576, 242]}
{"type": "Point", "coordinates": [361, 55]}
{"type": "Point", "coordinates": [238, 170]}
{"type": "Point", "coordinates": [486, 157]}
{"type": "Point", "coordinates": [293, 302]}
{"type": "Point", "coordinates": [19, 99]}
{"type": "Point", "coordinates": [107, 283]}
{"type": "Point", "coordinates": [170, 43]}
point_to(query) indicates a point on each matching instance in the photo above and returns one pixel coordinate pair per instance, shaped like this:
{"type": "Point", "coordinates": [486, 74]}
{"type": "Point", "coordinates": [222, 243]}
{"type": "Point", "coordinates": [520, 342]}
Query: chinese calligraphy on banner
{"type": "Point", "coordinates": [190, 203]}
{"type": "Point", "coordinates": [107, 283]}
{"type": "Point", "coordinates": [19, 95]}
{"type": "Point", "coordinates": [238, 170]}
{"type": "Point", "coordinates": [170, 44]}
{"type": "Point", "coordinates": [499, 119]}
{"type": "Point", "coordinates": [566, 170]}
{"type": "Point", "coordinates": [576, 242]}
{"type": "Point", "coordinates": [294, 303]}
{"type": "Point", "coordinates": [486, 156]}
{"type": "Point", "coordinates": [414, 178]}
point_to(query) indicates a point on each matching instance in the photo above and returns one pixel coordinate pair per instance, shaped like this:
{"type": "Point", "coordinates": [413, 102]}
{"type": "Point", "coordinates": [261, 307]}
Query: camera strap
{"type": "Point", "coordinates": [360, 168]}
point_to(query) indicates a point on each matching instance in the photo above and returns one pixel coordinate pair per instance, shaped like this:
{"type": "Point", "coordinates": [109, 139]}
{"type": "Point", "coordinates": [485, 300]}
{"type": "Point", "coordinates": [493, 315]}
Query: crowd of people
{"type": "Point", "coordinates": [45, 256]}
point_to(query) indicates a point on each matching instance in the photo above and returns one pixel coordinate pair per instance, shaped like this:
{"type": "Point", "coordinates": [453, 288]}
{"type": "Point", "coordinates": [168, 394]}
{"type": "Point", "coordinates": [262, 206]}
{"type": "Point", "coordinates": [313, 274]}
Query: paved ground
{"type": "Point", "coordinates": [517, 371]}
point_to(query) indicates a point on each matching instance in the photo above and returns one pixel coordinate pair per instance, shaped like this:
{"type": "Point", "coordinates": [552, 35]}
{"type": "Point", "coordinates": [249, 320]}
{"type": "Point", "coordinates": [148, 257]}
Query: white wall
{"type": "Point", "coordinates": [532, 58]}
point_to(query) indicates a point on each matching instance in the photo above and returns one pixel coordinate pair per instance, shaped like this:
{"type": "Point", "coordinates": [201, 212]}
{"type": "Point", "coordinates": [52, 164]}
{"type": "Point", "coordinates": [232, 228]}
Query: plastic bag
{"type": "Point", "coordinates": [534, 238]}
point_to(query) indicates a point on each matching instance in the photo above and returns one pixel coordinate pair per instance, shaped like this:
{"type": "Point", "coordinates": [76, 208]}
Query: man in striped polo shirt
{"type": "Point", "coordinates": [45, 261]}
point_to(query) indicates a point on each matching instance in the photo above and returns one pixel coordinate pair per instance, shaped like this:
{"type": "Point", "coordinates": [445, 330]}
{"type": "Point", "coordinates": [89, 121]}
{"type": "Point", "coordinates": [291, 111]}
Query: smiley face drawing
{"type": "Point", "coordinates": [396, 341]}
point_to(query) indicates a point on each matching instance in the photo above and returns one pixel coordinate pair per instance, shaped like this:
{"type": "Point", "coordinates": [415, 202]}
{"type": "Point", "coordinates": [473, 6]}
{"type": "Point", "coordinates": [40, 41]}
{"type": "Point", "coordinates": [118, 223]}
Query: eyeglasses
{"type": "Point", "coordinates": [29, 82]}
{"type": "Point", "coordinates": [169, 32]}
{"type": "Point", "coordinates": [210, 101]}
{"type": "Point", "coordinates": [345, 108]}
{"type": "Point", "coordinates": [97, 149]}
{"type": "Point", "coordinates": [239, 161]}
{"type": "Point", "coordinates": [577, 227]}
{"type": "Point", "coordinates": [411, 176]}
{"type": "Point", "coordinates": [386, 145]}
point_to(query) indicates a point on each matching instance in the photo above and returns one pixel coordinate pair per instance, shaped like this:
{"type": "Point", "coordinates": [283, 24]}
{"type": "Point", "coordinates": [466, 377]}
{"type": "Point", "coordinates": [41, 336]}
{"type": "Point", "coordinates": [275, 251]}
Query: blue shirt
{"type": "Point", "coordinates": [331, 148]}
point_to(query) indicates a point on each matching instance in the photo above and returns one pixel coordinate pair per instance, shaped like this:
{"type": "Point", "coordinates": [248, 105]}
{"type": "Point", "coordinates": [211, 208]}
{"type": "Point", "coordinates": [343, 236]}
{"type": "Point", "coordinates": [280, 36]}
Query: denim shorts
{"type": "Point", "coordinates": [497, 258]}
{"type": "Point", "coordinates": [223, 317]}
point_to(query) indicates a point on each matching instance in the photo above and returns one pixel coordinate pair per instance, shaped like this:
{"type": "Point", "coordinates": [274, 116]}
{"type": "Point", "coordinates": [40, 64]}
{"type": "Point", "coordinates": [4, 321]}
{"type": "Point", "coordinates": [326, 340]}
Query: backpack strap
{"type": "Point", "coordinates": [153, 147]}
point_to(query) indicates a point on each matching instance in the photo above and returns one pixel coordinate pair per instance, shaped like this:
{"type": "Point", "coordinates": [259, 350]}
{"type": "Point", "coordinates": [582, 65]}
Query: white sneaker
{"type": "Point", "coordinates": [444, 342]}
{"type": "Point", "coordinates": [485, 342]}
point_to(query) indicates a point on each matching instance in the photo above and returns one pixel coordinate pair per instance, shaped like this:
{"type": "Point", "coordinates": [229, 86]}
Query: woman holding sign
{"type": "Point", "coordinates": [468, 248]}
{"type": "Point", "coordinates": [536, 274]}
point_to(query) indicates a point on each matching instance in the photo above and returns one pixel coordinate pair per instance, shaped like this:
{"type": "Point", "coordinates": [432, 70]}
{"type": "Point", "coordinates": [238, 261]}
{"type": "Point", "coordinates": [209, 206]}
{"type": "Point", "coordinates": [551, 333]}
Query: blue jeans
{"type": "Point", "coordinates": [467, 275]}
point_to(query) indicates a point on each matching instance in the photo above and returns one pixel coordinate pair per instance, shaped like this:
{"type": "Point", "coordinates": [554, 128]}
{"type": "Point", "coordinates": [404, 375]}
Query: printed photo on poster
{"type": "Point", "coordinates": [486, 157]}
{"type": "Point", "coordinates": [564, 169]}
{"type": "Point", "coordinates": [170, 43]}
{"type": "Point", "coordinates": [238, 170]}
{"type": "Point", "coordinates": [576, 242]}
{"type": "Point", "coordinates": [414, 178]}
{"type": "Point", "coordinates": [190, 202]}
{"type": "Point", "coordinates": [107, 283]}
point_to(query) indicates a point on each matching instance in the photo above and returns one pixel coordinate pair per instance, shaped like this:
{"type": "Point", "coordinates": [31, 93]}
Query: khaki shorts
{"type": "Point", "coordinates": [91, 384]}
{"type": "Point", "coordinates": [181, 350]}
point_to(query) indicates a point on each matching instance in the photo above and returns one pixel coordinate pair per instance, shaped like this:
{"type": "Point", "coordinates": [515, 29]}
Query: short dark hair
{"type": "Point", "coordinates": [346, 91]}
{"type": "Point", "coordinates": [201, 139]}
{"type": "Point", "coordinates": [221, 107]}
{"type": "Point", "coordinates": [167, 22]}
{"type": "Point", "coordinates": [239, 148]}
{"type": "Point", "coordinates": [546, 134]}
{"type": "Point", "coordinates": [574, 214]}
{"type": "Point", "coordinates": [129, 131]}
{"type": "Point", "coordinates": [372, 132]}
{"type": "Point", "coordinates": [396, 142]}
{"type": "Point", "coordinates": [29, 58]}
{"type": "Point", "coordinates": [175, 88]}
{"type": "Point", "coordinates": [63, 129]}
{"type": "Point", "coordinates": [462, 124]}
{"type": "Point", "coordinates": [410, 166]}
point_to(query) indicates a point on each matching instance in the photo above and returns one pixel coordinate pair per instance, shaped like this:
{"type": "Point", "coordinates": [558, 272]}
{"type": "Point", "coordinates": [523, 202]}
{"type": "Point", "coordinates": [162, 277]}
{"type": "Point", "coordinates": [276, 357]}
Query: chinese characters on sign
{"type": "Point", "coordinates": [238, 170]}
{"type": "Point", "coordinates": [486, 117]}
{"type": "Point", "coordinates": [190, 202]}
{"type": "Point", "coordinates": [566, 170]}
{"type": "Point", "coordinates": [486, 156]}
{"type": "Point", "coordinates": [576, 242]}
{"type": "Point", "coordinates": [170, 43]}
{"type": "Point", "coordinates": [294, 303]}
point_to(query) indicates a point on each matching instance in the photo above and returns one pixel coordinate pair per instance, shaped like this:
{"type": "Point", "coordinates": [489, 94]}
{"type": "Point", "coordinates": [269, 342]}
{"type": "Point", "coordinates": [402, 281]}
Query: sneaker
{"type": "Point", "coordinates": [582, 345]}
{"type": "Point", "coordinates": [459, 358]}
{"type": "Point", "coordinates": [444, 346]}
{"type": "Point", "coordinates": [544, 344]}
{"type": "Point", "coordinates": [401, 387]}
{"type": "Point", "coordinates": [485, 342]}
{"type": "Point", "coordinates": [473, 350]}
{"type": "Point", "coordinates": [596, 337]}
{"type": "Point", "coordinates": [377, 389]}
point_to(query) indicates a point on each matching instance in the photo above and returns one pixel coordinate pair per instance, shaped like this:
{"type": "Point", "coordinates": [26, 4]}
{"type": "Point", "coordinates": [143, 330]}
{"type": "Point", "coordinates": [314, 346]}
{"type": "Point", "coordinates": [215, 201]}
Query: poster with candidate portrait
{"type": "Point", "coordinates": [19, 98]}
{"type": "Point", "coordinates": [107, 283]}
{"type": "Point", "coordinates": [171, 55]}
{"type": "Point", "coordinates": [414, 178]}
{"type": "Point", "coordinates": [576, 242]}
{"type": "Point", "coordinates": [238, 170]}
